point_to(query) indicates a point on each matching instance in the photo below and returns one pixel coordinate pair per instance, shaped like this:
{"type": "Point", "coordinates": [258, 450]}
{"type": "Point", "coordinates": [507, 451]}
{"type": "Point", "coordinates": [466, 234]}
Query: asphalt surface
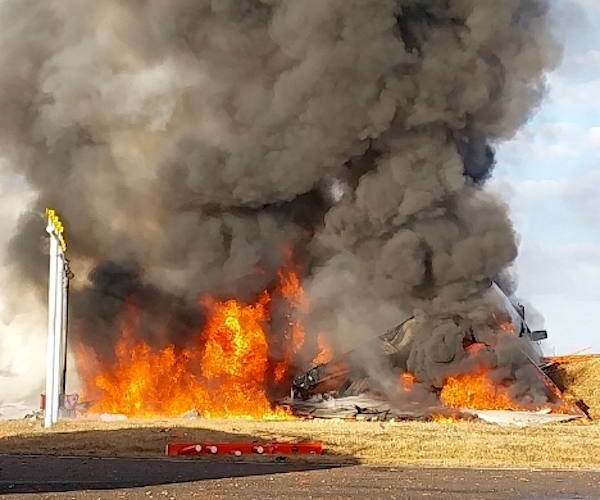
{"type": "Point", "coordinates": [28, 477]}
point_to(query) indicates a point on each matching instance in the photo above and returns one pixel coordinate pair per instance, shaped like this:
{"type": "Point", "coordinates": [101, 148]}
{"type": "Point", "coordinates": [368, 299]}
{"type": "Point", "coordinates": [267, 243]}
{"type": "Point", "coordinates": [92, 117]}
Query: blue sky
{"type": "Point", "coordinates": [550, 176]}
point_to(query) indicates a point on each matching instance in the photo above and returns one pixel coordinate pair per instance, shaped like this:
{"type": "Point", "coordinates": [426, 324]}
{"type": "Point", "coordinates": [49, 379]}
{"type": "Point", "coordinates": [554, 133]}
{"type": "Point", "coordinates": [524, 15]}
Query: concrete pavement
{"type": "Point", "coordinates": [79, 478]}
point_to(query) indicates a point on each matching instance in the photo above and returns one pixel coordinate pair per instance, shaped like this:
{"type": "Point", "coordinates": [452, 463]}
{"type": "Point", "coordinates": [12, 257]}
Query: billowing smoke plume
{"type": "Point", "coordinates": [188, 143]}
{"type": "Point", "coordinates": [22, 318]}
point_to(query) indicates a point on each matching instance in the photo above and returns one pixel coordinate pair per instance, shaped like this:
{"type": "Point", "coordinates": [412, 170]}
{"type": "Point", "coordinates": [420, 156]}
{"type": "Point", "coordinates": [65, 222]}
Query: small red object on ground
{"type": "Point", "coordinates": [239, 449]}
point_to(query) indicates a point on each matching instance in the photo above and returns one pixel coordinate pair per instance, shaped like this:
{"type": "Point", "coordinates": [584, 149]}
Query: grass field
{"type": "Point", "coordinates": [579, 377]}
{"type": "Point", "coordinates": [570, 445]}
{"type": "Point", "coordinates": [468, 443]}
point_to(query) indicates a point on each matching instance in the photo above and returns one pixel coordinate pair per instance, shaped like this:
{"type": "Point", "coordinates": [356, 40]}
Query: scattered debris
{"type": "Point", "coordinates": [523, 418]}
{"type": "Point", "coordinates": [17, 411]}
{"type": "Point", "coordinates": [35, 416]}
{"type": "Point", "coordinates": [342, 388]}
{"type": "Point", "coordinates": [365, 408]}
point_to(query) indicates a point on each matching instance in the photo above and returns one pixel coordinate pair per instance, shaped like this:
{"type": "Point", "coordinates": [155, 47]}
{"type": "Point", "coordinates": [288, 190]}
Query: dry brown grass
{"type": "Point", "coordinates": [572, 445]}
{"type": "Point", "coordinates": [579, 377]}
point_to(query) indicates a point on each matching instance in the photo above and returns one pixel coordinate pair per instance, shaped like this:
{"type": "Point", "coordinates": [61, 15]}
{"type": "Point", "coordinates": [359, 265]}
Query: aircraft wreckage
{"type": "Point", "coordinates": [374, 381]}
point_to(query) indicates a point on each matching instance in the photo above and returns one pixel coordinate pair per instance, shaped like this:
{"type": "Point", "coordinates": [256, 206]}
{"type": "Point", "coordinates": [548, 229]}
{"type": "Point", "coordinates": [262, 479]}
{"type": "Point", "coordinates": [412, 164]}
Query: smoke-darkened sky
{"type": "Point", "coordinates": [194, 140]}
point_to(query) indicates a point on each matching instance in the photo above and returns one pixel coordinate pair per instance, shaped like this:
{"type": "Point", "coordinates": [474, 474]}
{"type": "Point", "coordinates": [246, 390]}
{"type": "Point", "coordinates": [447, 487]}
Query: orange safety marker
{"type": "Point", "coordinates": [239, 449]}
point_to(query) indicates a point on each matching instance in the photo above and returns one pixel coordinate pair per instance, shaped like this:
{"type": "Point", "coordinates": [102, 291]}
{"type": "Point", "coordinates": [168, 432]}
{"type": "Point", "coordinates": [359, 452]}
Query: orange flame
{"type": "Point", "coordinates": [292, 290]}
{"type": "Point", "coordinates": [224, 374]}
{"type": "Point", "coordinates": [295, 336]}
{"type": "Point", "coordinates": [229, 383]}
{"type": "Point", "coordinates": [407, 380]}
{"type": "Point", "coordinates": [503, 322]}
{"type": "Point", "coordinates": [325, 353]}
{"type": "Point", "coordinates": [475, 348]}
{"type": "Point", "coordinates": [476, 391]}
{"type": "Point", "coordinates": [446, 419]}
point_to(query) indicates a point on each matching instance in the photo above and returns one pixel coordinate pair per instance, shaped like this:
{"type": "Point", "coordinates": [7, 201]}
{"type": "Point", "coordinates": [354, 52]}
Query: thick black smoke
{"type": "Point", "coordinates": [197, 139]}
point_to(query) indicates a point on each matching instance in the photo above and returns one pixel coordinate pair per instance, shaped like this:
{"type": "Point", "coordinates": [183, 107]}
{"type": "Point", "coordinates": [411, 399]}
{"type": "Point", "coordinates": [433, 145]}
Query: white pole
{"type": "Point", "coordinates": [50, 394]}
{"type": "Point", "coordinates": [58, 332]}
{"type": "Point", "coordinates": [58, 246]}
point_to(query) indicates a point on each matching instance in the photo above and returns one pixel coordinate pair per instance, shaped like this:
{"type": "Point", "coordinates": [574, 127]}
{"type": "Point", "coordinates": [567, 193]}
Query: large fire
{"type": "Point", "coordinates": [226, 373]}
{"type": "Point", "coordinates": [476, 388]}
{"type": "Point", "coordinates": [229, 370]}
{"type": "Point", "coordinates": [476, 391]}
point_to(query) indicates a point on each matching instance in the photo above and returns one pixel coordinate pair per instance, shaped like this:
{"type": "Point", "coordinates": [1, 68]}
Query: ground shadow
{"type": "Point", "coordinates": [128, 458]}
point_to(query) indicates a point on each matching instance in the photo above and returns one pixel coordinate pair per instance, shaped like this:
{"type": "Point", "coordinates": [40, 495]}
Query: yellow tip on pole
{"type": "Point", "coordinates": [58, 227]}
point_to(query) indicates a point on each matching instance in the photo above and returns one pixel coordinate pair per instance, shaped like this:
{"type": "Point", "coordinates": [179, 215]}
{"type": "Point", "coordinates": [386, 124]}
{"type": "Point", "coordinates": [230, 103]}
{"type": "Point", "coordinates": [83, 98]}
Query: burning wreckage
{"type": "Point", "coordinates": [199, 151]}
{"type": "Point", "coordinates": [358, 384]}
{"type": "Point", "coordinates": [494, 375]}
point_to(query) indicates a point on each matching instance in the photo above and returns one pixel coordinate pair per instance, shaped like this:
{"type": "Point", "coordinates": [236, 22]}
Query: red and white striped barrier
{"type": "Point", "coordinates": [239, 449]}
